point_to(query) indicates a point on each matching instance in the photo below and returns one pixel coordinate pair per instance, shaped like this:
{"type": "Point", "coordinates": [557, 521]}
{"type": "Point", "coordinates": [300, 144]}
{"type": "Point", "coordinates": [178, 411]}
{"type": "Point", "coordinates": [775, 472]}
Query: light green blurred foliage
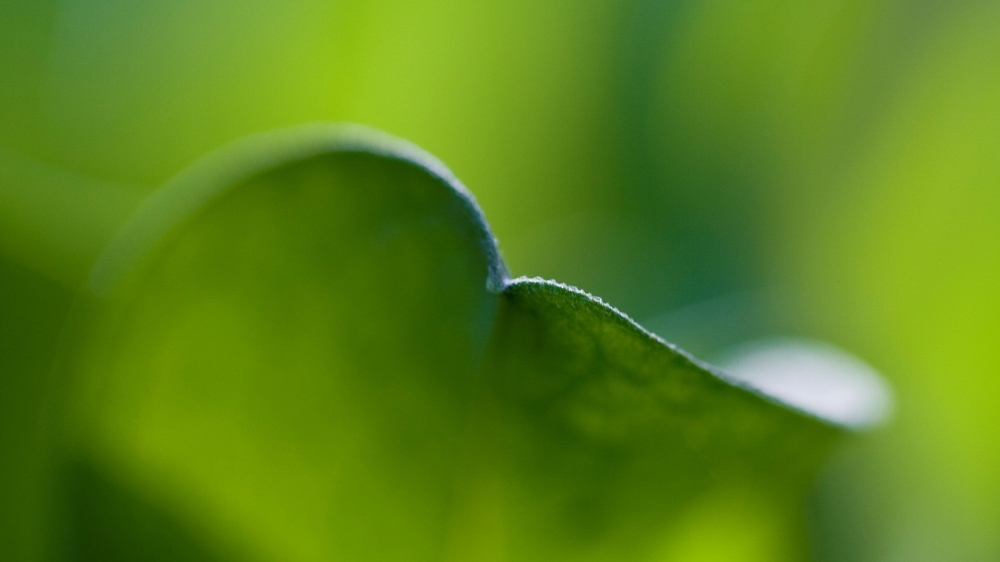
{"type": "Point", "coordinates": [906, 267]}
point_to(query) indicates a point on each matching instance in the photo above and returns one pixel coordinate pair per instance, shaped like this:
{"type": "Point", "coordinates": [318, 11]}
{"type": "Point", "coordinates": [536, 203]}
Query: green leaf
{"type": "Point", "coordinates": [307, 348]}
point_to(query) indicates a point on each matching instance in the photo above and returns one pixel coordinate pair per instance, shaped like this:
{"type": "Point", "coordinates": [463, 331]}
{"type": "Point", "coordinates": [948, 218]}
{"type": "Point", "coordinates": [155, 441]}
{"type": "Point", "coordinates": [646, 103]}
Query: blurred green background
{"type": "Point", "coordinates": [719, 170]}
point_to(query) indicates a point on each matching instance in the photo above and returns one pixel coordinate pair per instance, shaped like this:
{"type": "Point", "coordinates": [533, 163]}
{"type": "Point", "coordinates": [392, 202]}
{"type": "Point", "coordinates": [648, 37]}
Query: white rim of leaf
{"type": "Point", "coordinates": [814, 377]}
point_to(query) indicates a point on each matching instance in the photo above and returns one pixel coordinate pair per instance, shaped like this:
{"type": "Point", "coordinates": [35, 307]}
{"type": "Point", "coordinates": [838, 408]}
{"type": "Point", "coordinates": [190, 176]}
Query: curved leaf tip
{"type": "Point", "coordinates": [232, 164]}
{"type": "Point", "coordinates": [811, 378]}
{"type": "Point", "coordinates": [814, 377]}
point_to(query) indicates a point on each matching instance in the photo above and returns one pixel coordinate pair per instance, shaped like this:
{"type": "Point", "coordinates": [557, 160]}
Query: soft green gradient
{"type": "Point", "coordinates": [724, 170]}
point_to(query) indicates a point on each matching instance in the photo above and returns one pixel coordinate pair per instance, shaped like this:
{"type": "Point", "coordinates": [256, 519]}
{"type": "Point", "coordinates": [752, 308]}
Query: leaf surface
{"type": "Point", "coordinates": [307, 348]}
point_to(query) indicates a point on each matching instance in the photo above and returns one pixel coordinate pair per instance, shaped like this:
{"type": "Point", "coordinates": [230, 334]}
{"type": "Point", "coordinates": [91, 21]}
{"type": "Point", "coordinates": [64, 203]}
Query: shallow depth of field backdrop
{"type": "Point", "coordinates": [720, 170]}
